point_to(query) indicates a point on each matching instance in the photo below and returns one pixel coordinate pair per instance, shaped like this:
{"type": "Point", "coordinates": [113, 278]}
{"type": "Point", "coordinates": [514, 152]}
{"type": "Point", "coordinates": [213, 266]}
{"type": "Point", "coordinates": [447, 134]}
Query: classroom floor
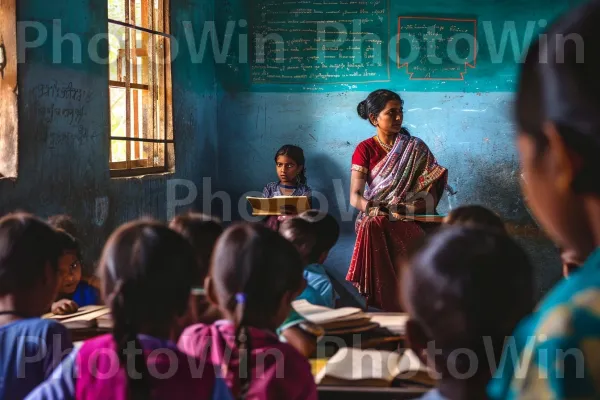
{"type": "Point", "coordinates": [337, 265]}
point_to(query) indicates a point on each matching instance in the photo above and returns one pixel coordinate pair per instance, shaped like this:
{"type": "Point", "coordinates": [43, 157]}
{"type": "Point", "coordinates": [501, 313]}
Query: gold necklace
{"type": "Point", "coordinates": [386, 147]}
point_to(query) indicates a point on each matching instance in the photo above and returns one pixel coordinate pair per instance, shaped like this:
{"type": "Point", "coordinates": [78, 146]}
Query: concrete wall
{"type": "Point", "coordinates": [63, 161]}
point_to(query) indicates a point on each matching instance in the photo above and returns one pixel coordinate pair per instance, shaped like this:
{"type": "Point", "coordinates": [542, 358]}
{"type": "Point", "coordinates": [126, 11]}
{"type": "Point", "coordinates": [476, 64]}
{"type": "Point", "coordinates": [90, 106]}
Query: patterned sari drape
{"type": "Point", "coordinates": [406, 174]}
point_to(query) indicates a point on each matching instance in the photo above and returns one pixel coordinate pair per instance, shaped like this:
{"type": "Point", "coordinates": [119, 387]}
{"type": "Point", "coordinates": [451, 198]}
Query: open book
{"type": "Point", "coordinates": [355, 367]}
{"type": "Point", "coordinates": [85, 317]}
{"type": "Point", "coordinates": [281, 205]}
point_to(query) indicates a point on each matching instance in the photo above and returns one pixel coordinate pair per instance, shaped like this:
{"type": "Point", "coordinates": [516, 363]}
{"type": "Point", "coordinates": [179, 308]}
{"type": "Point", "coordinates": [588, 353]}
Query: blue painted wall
{"type": "Point", "coordinates": [63, 167]}
{"type": "Point", "coordinates": [470, 134]}
{"type": "Point", "coordinates": [468, 126]}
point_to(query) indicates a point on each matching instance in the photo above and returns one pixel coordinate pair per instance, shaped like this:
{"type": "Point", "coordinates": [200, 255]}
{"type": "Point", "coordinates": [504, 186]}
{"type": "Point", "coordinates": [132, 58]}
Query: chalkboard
{"type": "Point", "coordinates": [502, 31]}
{"type": "Point", "coordinates": [436, 48]}
{"type": "Point", "coordinates": [320, 41]}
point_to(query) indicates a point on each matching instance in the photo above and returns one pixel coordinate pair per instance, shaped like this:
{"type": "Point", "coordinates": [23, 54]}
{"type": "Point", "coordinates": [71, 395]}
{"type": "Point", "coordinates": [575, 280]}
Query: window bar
{"type": "Point", "coordinates": [166, 71]}
{"type": "Point", "coordinates": [127, 87]}
{"type": "Point", "coordinates": [143, 140]}
{"type": "Point", "coordinates": [134, 70]}
{"type": "Point", "coordinates": [139, 28]}
{"type": "Point", "coordinates": [145, 94]}
{"type": "Point", "coordinates": [153, 85]}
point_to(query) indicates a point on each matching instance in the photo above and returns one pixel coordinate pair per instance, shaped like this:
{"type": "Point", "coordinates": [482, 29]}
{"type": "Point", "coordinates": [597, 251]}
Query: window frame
{"type": "Point", "coordinates": [139, 166]}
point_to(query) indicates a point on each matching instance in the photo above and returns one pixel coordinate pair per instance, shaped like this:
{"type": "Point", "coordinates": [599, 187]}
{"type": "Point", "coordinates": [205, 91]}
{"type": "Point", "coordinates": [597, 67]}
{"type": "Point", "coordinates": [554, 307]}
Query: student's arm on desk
{"type": "Point", "coordinates": [303, 342]}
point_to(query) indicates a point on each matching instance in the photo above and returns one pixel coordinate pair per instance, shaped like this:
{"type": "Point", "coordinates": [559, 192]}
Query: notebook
{"type": "Point", "coordinates": [105, 321]}
{"type": "Point", "coordinates": [81, 311]}
{"type": "Point", "coordinates": [281, 205]}
{"type": "Point", "coordinates": [393, 322]}
{"type": "Point", "coordinates": [375, 368]}
{"type": "Point", "coordinates": [323, 315]}
{"type": "Point", "coordinates": [432, 218]}
{"type": "Point", "coordinates": [86, 317]}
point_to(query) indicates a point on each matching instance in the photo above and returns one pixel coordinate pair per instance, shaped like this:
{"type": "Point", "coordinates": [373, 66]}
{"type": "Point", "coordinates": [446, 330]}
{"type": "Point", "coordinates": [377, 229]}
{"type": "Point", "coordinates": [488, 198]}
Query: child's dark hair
{"type": "Point", "coordinates": [140, 260]}
{"type": "Point", "coordinates": [202, 231]}
{"type": "Point", "coordinates": [327, 227]}
{"type": "Point", "coordinates": [27, 246]}
{"type": "Point", "coordinates": [555, 85]}
{"type": "Point", "coordinates": [66, 223]}
{"type": "Point", "coordinates": [253, 267]}
{"type": "Point", "coordinates": [68, 243]}
{"type": "Point", "coordinates": [474, 216]}
{"type": "Point", "coordinates": [479, 284]}
{"type": "Point", "coordinates": [303, 235]}
{"type": "Point", "coordinates": [297, 154]}
{"type": "Point", "coordinates": [376, 102]}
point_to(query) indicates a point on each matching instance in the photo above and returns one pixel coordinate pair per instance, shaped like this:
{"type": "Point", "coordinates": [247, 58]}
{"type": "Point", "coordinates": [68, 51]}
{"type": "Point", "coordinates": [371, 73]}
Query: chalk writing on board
{"type": "Point", "coordinates": [320, 41]}
{"type": "Point", "coordinates": [436, 48]}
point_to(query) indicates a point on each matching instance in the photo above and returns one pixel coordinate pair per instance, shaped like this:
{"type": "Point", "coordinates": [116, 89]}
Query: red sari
{"type": "Point", "coordinates": [399, 177]}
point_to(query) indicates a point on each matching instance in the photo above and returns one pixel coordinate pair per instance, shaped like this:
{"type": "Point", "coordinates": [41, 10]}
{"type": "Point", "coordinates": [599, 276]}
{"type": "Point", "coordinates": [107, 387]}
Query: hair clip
{"type": "Point", "coordinates": [240, 298]}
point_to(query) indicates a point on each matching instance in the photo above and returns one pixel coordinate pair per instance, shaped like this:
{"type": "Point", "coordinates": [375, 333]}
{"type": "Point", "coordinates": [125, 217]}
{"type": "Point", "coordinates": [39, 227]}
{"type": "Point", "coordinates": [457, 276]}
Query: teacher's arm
{"type": "Point", "coordinates": [357, 187]}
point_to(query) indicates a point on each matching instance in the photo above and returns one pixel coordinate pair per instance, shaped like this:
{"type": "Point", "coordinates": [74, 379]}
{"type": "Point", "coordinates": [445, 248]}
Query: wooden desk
{"type": "Point", "coordinates": [79, 335]}
{"type": "Point", "coordinates": [361, 393]}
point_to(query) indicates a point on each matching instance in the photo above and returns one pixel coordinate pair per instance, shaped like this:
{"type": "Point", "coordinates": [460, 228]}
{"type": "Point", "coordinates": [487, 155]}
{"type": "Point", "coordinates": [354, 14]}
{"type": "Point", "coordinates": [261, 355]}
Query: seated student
{"type": "Point", "coordinates": [291, 171]}
{"type": "Point", "coordinates": [478, 285]}
{"type": "Point", "coordinates": [30, 347]}
{"type": "Point", "coordinates": [73, 292]}
{"type": "Point", "coordinates": [146, 271]}
{"type": "Point", "coordinates": [558, 138]}
{"type": "Point", "coordinates": [314, 240]}
{"type": "Point", "coordinates": [202, 231]}
{"type": "Point", "coordinates": [255, 274]}
{"type": "Point", "coordinates": [69, 225]}
{"type": "Point", "coordinates": [475, 215]}
{"type": "Point", "coordinates": [307, 239]}
{"type": "Point", "coordinates": [328, 233]}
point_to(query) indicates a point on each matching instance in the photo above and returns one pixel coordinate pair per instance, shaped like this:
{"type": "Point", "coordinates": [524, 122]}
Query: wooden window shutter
{"type": "Point", "coordinates": [9, 125]}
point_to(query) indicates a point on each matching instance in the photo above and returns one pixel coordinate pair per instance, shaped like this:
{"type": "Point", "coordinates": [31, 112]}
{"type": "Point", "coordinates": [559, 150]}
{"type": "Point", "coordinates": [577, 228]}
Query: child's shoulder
{"type": "Point", "coordinates": [303, 188]}
{"type": "Point", "coordinates": [86, 295]}
{"type": "Point", "coordinates": [38, 327]}
{"type": "Point", "coordinates": [270, 189]}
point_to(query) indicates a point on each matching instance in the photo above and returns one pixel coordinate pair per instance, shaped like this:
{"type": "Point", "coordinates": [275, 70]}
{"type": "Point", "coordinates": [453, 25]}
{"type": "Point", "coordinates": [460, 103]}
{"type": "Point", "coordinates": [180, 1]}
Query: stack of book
{"type": "Point", "coordinates": [335, 321]}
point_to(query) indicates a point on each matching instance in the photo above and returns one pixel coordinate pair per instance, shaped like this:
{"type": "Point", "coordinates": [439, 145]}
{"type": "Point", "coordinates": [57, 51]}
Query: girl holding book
{"type": "Point", "coordinates": [291, 171]}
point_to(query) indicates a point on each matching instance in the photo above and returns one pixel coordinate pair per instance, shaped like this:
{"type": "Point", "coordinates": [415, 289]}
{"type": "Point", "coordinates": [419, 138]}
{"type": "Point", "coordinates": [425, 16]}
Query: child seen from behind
{"type": "Point", "coordinates": [141, 260]}
{"type": "Point", "coordinates": [478, 285]}
{"type": "Point", "coordinates": [255, 274]}
{"type": "Point", "coordinates": [30, 347]}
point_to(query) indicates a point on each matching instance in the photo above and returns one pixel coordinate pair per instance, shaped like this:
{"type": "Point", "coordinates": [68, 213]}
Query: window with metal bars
{"type": "Point", "coordinates": [141, 126]}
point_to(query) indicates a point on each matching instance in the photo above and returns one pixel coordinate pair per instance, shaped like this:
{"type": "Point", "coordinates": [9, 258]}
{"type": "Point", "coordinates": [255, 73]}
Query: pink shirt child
{"type": "Point", "coordinates": [93, 372]}
{"type": "Point", "coordinates": [278, 371]}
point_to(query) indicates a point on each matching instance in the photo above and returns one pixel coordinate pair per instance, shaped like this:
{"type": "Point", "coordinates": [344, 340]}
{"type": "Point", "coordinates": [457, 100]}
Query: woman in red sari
{"type": "Point", "coordinates": [403, 178]}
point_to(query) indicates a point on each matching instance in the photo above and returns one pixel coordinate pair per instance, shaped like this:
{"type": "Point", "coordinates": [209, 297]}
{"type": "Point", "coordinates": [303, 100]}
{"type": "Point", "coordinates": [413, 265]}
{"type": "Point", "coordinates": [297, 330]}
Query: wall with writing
{"type": "Point", "coordinates": [338, 45]}
{"type": "Point", "coordinates": [64, 123]}
{"type": "Point", "coordinates": [465, 118]}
